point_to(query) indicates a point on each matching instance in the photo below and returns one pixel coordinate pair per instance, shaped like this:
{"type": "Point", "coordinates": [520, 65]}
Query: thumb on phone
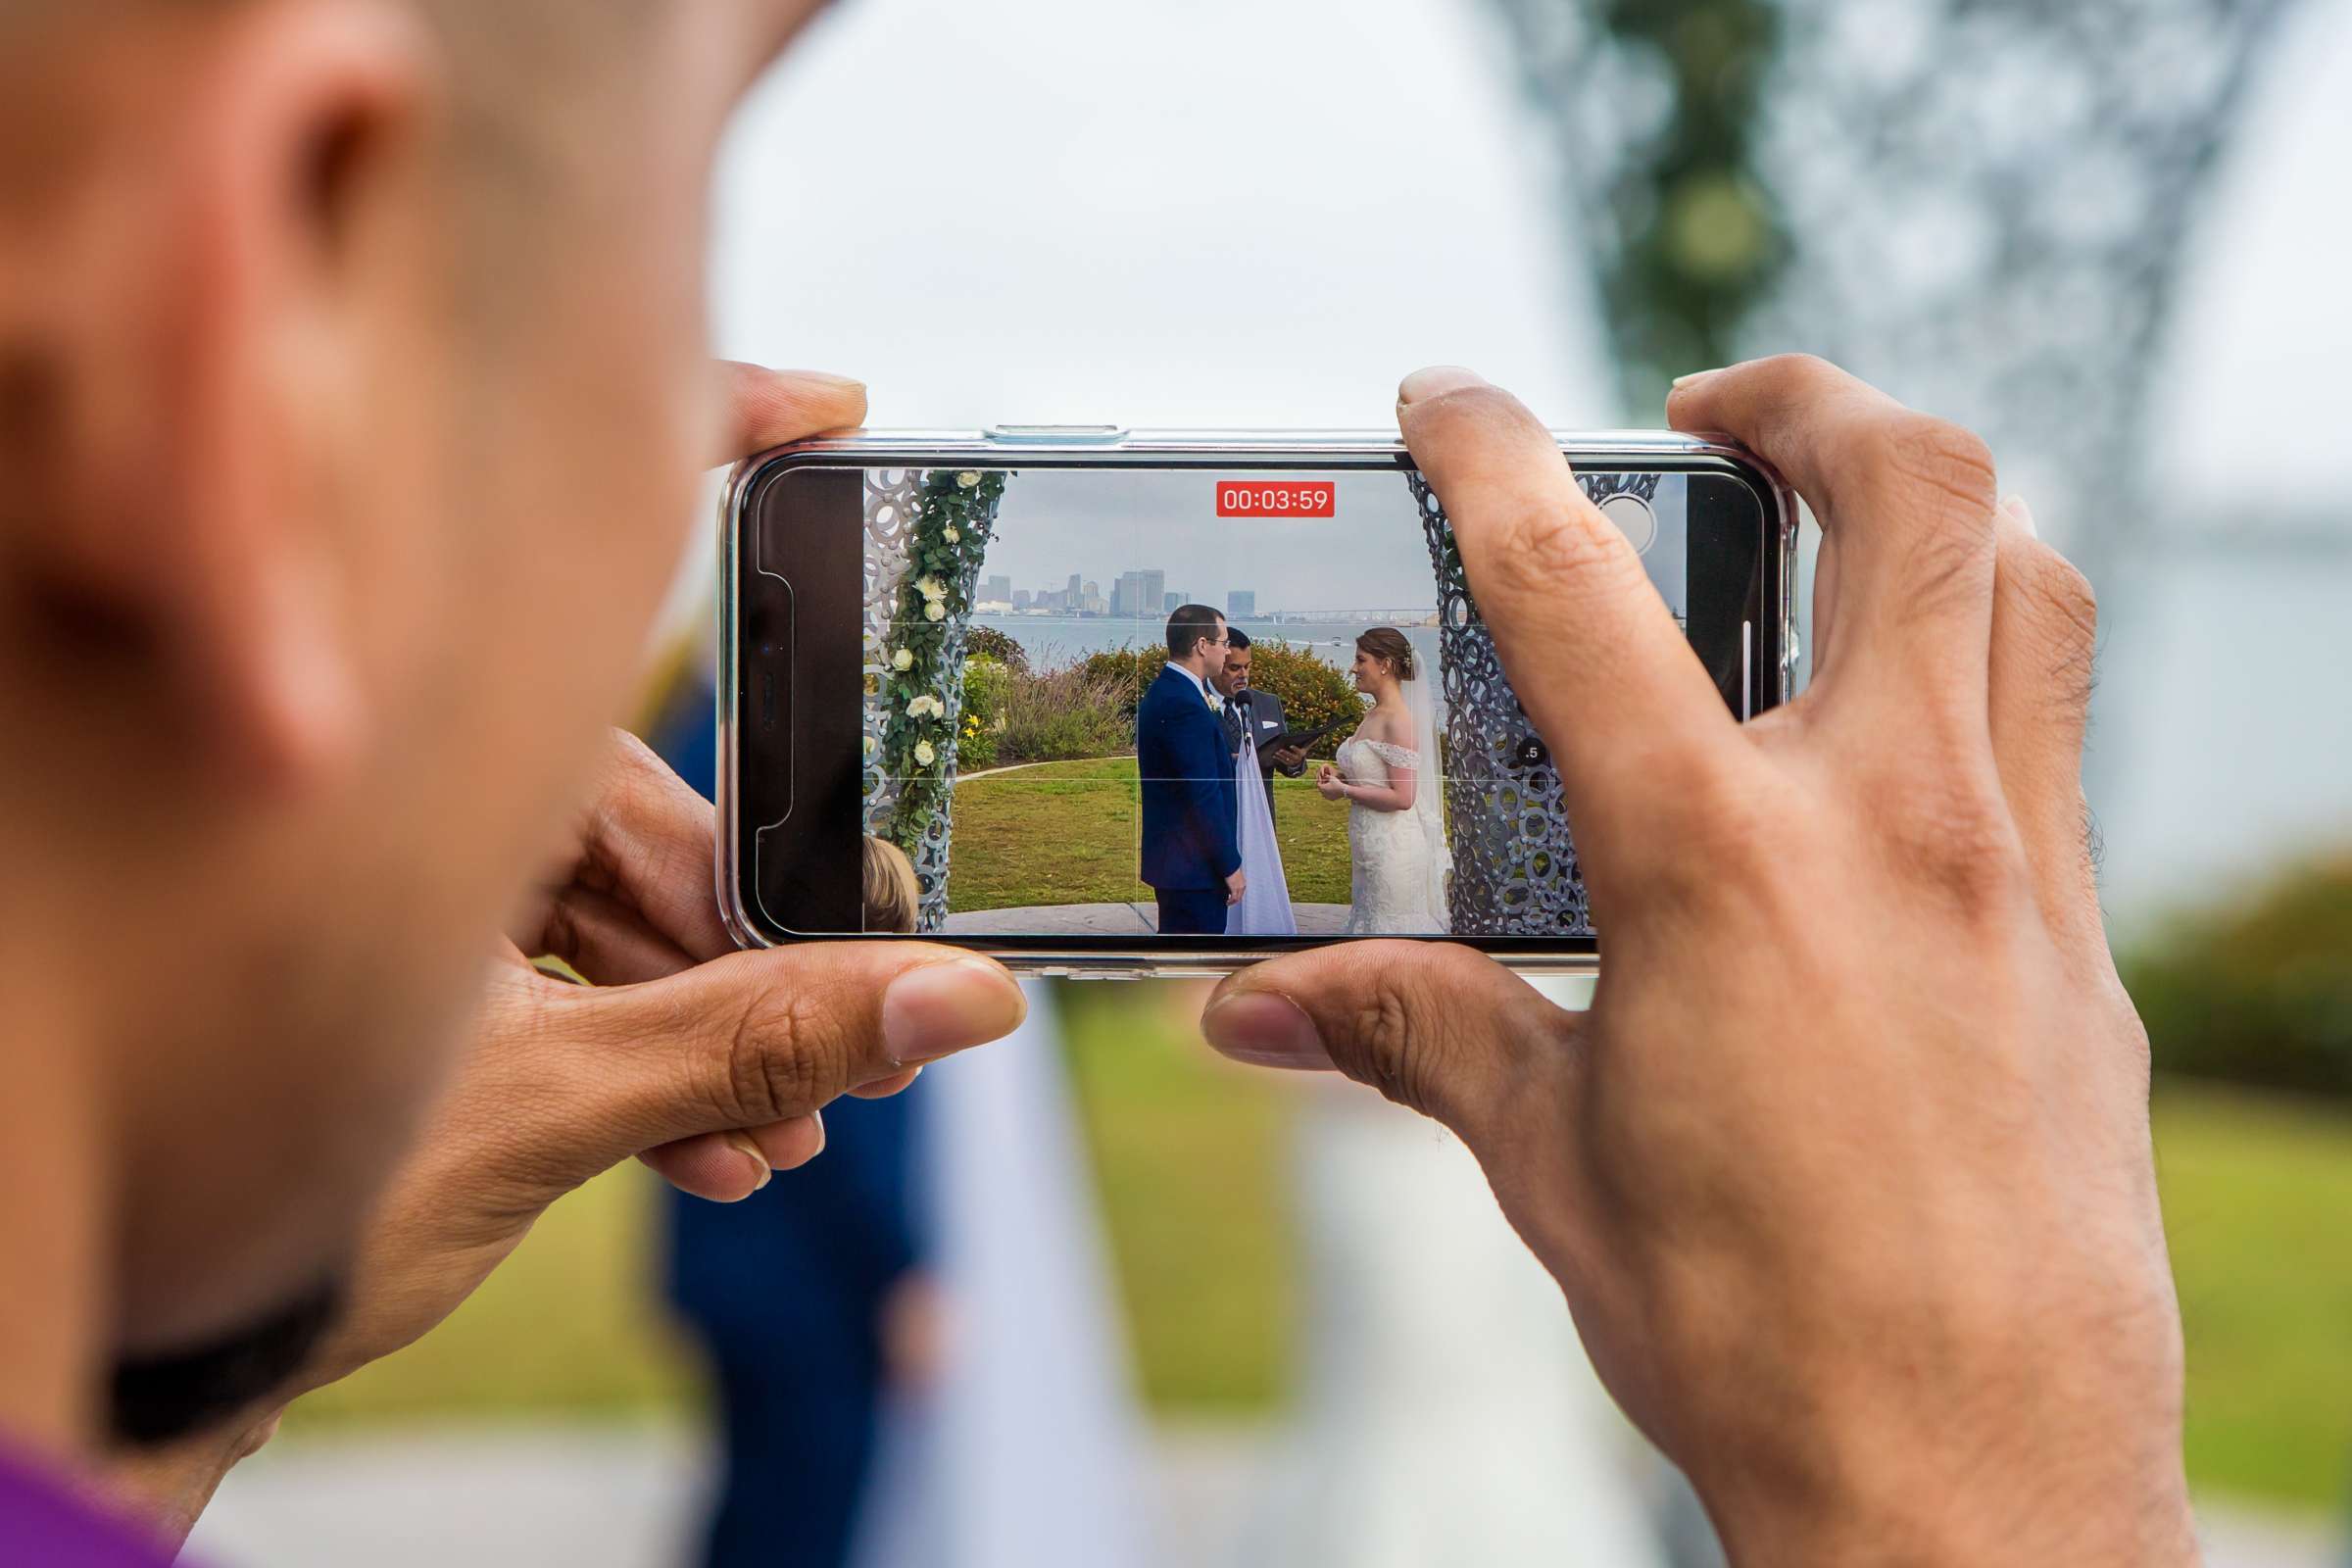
{"type": "Point", "coordinates": [1439, 1028]}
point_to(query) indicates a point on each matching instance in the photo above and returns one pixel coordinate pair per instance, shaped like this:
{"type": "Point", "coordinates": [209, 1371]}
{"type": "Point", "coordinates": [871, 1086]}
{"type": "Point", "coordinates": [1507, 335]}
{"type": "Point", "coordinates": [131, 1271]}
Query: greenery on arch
{"type": "Point", "coordinates": [956, 515]}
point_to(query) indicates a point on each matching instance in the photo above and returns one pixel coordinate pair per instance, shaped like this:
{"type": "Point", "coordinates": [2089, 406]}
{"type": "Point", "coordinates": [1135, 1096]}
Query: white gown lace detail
{"type": "Point", "coordinates": [1388, 854]}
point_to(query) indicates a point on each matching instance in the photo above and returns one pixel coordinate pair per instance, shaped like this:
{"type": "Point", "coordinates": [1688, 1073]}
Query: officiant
{"type": "Point", "coordinates": [1255, 716]}
{"type": "Point", "coordinates": [1253, 721]}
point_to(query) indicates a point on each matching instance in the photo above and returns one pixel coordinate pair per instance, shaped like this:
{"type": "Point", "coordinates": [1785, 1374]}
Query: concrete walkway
{"type": "Point", "coordinates": [1113, 920]}
{"type": "Point", "coordinates": [630, 1498]}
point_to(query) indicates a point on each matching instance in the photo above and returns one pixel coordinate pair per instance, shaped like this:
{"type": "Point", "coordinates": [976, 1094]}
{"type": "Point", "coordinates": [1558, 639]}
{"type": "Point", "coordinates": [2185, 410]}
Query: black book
{"type": "Point", "coordinates": [1307, 739]}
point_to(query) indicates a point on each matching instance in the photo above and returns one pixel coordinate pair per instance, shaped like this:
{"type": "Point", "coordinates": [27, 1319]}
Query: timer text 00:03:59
{"type": "Point", "coordinates": [1277, 497]}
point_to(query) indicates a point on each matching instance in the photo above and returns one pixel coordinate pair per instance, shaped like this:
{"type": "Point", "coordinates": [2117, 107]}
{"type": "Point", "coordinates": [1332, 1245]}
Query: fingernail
{"type": "Point", "coordinates": [1266, 1029]}
{"type": "Point", "coordinates": [795, 1158]}
{"type": "Point", "coordinates": [2016, 506]}
{"type": "Point", "coordinates": [944, 1007]}
{"type": "Point", "coordinates": [764, 1172]}
{"type": "Point", "coordinates": [1692, 379]}
{"type": "Point", "coordinates": [829, 378]}
{"type": "Point", "coordinates": [1436, 381]}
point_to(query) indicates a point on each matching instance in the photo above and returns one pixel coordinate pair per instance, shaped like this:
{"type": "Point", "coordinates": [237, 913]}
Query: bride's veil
{"type": "Point", "coordinates": [1429, 796]}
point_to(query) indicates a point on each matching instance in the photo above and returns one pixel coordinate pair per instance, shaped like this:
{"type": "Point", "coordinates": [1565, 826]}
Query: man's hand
{"type": "Point", "coordinates": [712, 1065]}
{"type": "Point", "coordinates": [1235, 886]}
{"type": "Point", "coordinates": [1292, 759]}
{"type": "Point", "coordinates": [1847, 1173]}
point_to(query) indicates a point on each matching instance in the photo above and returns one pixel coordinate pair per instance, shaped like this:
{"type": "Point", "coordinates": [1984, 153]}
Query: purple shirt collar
{"type": "Point", "coordinates": [45, 1519]}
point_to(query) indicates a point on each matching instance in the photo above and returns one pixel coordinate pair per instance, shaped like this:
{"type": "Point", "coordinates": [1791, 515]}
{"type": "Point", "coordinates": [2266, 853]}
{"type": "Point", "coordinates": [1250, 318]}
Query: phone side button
{"type": "Point", "coordinates": [1070, 434]}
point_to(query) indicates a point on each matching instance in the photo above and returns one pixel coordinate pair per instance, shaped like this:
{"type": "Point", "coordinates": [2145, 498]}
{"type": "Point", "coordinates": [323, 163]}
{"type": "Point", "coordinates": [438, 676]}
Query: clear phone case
{"type": "Point", "coordinates": [1518, 892]}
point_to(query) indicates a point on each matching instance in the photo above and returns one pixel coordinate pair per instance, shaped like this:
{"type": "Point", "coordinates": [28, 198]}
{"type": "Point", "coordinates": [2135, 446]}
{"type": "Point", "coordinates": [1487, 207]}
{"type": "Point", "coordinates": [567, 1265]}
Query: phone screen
{"type": "Point", "coordinates": [1097, 706]}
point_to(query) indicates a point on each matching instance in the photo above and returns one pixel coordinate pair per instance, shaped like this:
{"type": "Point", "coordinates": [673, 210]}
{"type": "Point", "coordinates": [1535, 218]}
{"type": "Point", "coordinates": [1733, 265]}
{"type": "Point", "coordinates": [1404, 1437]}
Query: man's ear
{"type": "Point", "coordinates": [218, 355]}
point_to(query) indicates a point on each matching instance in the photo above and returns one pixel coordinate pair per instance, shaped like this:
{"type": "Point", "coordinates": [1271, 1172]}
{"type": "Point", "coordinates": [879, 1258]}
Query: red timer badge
{"type": "Point", "coordinates": [1277, 497]}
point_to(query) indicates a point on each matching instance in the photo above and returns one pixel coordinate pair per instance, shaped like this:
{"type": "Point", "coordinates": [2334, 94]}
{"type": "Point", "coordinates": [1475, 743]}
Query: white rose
{"type": "Point", "coordinates": [923, 754]}
{"type": "Point", "coordinates": [933, 610]}
{"type": "Point", "coordinates": [914, 707]}
{"type": "Point", "coordinates": [903, 658]}
{"type": "Point", "coordinates": [953, 537]}
{"type": "Point", "coordinates": [967, 480]}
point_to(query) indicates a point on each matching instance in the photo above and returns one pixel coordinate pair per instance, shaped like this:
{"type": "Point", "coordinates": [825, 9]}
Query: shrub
{"type": "Point", "coordinates": [1313, 693]}
{"type": "Point", "coordinates": [986, 642]}
{"type": "Point", "coordinates": [1064, 714]}
{"type": "Point", "coordinates": [1126, 671]}
{"type": "Point", "coordinates": [985, 683]}
{"type": "Point", "coordinates": [2258, 993]}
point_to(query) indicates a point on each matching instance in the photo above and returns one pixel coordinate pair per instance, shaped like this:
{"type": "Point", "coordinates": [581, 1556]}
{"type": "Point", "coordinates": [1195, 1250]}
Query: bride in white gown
{"type": "Point", "coordinates": [1387, 774]}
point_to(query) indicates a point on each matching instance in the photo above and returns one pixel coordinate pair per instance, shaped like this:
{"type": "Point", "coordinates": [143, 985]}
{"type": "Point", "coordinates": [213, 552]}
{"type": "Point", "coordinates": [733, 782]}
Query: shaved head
{"type": "Point", "coordinates": [354, 383]}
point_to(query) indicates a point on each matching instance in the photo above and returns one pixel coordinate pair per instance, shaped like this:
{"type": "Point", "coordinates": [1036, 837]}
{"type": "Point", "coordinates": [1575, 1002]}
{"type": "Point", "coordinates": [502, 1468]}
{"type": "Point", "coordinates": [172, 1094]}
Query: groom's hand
{"type": "Point", "coordinates": [1847, 1173]}
{"type": "Point", "coordinates": [1235, 885]}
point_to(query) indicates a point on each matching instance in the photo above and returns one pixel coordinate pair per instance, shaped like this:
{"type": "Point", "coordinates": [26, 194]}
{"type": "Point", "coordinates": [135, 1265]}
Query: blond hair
{"type": "Point", "coordinates": [894, 897]}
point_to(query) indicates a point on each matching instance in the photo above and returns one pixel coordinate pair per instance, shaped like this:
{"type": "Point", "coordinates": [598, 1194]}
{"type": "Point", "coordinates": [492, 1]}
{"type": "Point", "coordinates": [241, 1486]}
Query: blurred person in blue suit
{"type": "Point", "coordinates": [1192, 854]}
{"type": "Point", "coordinates": [800, 1297]}
{"type": "Point", "coordinates": [807, 1298]}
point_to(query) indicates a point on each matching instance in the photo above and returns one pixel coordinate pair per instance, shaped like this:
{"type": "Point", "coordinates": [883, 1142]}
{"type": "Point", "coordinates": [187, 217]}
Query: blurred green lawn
{"type": "Point", "coordinates": [2257, 1194]}
{"type": "Point", "coordinates": [1187, 1148]}
{"type": "Point", "coordinates": [2258, 1204]}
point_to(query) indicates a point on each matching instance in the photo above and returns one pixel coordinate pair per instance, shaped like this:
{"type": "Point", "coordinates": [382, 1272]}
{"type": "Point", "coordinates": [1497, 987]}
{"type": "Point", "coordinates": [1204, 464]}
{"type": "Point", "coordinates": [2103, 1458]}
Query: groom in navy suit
{"type": "Point", "coordinates": [1192, 849]}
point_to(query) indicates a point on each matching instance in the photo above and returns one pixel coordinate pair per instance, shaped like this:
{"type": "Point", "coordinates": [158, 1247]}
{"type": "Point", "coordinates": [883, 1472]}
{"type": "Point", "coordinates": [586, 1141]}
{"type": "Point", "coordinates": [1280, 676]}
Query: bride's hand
{"type": "Point", "coordinates": [1329, 784]}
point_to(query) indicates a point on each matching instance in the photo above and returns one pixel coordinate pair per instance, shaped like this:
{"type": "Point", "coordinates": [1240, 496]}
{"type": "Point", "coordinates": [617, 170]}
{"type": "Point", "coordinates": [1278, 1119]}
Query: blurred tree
{"type": "Point", "coordinates": [1982, 206]}
{"type": "Point", "coordinates": [1979, 204]}
{"type": "Point", "coordinates": [2258, 993]}
{"type": "Point", "coordinates": [1690, 233]}
{"type": "Point", "coordinates": [987, 642]}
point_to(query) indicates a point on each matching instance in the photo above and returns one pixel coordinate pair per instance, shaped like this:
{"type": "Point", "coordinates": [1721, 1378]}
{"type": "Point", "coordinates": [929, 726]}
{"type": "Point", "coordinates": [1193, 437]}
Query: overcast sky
{"type": "Point", "coordinates": [1239, 212]}
{"type": "Point", "coordinates": [1228, 212]}
{"type": "Point", "coordinates": [1264, 212]}
{"type": "Point", "coordinates": [1371, 555]}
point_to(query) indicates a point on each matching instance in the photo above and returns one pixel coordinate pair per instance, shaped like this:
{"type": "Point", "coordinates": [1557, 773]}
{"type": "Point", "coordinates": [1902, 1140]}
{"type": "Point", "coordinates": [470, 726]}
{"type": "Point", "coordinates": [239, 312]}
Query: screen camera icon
{"type": "Point", "coordinates": [1634, 518]}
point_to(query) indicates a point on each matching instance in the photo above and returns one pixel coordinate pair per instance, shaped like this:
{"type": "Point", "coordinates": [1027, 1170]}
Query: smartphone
{"type": "Point", "coordinates": [1042, 691]}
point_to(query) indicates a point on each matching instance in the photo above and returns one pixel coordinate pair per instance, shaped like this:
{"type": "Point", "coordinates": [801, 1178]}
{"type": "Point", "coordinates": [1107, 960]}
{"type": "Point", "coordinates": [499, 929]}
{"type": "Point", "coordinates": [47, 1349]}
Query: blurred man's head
{"type": "Point", "coordinates": [1234, 678]}
{"type": "Point", "coordinates": [1197, 640]}
{"type": "Point", "coordinates": [351, 392]}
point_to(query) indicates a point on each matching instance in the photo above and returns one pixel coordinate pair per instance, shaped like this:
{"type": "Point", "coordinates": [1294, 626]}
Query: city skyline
{"type": "Point", "coordinates": [1113, 526]}
{"type": "Point", "coordinates": [1370, 563]}
{"type": "Point", "coordinates": [1239, 603]}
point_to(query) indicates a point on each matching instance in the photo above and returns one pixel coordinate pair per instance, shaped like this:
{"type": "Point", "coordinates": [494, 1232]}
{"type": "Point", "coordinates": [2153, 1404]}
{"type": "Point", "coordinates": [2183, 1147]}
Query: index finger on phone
{"type": "Point", "coordinates": [1907, 502]}
{"type": "Point", "coordinates": [1592, 652]}
{"type": "Point", "coordinates": [768, 408]}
